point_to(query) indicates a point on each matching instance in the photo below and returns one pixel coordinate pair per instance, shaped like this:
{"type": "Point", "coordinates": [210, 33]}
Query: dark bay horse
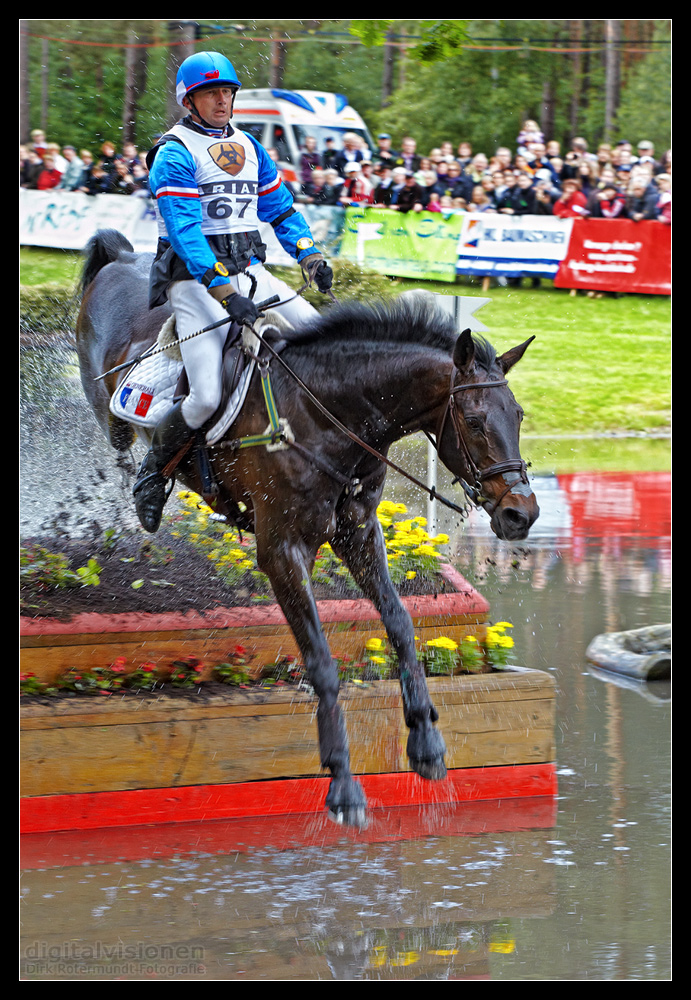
{"type": "Point", "coordinates": [383, 371]}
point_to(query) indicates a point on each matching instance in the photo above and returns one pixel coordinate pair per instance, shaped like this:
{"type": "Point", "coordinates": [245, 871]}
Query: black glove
{"type": "Point", "coordinates": [240, 309]}
{"type": "Point", "coordinates": [323, 276]}
{"type": "Point", "coordinates": [319, 272]}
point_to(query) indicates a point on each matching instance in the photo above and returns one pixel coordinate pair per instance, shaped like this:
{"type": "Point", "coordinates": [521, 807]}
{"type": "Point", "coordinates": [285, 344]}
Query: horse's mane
{"type": "Point", "coordinates": [413, 320]}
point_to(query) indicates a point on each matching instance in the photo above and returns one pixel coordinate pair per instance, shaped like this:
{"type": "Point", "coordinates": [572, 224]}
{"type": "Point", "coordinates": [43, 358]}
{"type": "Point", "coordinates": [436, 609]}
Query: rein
{"type": "Point", "coordinates": [277, 433]}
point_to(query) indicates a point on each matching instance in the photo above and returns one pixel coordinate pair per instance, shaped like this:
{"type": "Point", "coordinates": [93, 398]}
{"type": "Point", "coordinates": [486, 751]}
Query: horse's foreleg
{"type": "Point", "coordinates": [363, 550]}
{"type": "Point", "coordinates": [290, 571]}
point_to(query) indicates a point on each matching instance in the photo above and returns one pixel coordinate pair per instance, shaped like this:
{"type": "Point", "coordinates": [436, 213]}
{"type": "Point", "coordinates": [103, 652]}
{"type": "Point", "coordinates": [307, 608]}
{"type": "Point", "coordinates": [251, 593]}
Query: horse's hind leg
{"type": "Point", "coordinates": [360, 544]}
{"type": "Point", "coordinates": [290, 571]}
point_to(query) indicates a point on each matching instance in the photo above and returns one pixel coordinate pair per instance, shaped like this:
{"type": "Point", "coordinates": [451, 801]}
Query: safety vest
{"type": "Point", "coordinates": [227, 176]}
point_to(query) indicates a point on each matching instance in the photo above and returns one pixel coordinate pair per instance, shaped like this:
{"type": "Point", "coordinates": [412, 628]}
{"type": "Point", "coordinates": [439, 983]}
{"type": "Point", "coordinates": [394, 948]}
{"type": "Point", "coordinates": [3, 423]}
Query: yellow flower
{"type": "Point", "coordinates": [374, 643]}
{"type": "Point", "coordinates": [378, 659]}
{"type": "Point", "coordinates": [443, 642]}
{"type": "Point", "coordinates": [502, 625]}
{"type": "Point", "coordinates": [441, 539]}
{"type": "Point", "coordinates": [470, 639]}
{"type": "Point", "coordinates": [411, 574]}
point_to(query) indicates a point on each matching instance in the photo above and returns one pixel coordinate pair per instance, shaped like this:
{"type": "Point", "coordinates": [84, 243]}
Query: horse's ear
{"type": "Point", "coordinates": [464, 351]}
{"type": "Point", "coordinates": [511, 357]}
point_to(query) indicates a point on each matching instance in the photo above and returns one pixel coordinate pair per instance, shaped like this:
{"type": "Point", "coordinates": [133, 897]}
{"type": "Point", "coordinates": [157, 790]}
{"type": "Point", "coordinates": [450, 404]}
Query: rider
{"type": "Point", "coordinates": [213, 185]}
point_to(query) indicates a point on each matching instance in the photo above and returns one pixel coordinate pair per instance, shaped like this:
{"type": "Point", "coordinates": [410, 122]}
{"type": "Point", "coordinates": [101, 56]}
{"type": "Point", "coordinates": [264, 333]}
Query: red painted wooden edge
{"type": "Point", "coordinates": [466, 601]}
{"type": "Point", "coordinates": [132, 807]}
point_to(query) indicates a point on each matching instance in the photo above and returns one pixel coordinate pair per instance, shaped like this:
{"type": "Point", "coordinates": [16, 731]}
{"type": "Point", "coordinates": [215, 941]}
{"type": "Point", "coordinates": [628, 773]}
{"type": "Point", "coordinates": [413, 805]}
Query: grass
{"type": "Point", "coordinates": [597, 366]}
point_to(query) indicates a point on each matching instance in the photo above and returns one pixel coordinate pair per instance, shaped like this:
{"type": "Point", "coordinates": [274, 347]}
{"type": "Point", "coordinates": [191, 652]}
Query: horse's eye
{"type": "Point", "coordinates": [474, 423]}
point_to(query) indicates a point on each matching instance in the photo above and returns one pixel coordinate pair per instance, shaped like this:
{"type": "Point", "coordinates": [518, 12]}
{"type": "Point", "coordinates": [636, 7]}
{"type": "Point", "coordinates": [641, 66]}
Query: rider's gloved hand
{"type": "Point", "coordinates": [319, 271]}
{"type": "Point", "coordinates": [240, 309]}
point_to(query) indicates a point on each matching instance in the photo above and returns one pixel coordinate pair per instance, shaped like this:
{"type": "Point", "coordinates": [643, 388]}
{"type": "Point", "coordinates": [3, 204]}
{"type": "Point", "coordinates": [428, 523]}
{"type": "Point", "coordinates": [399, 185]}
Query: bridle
{"type": "Point", "coordinates": [474, 491]}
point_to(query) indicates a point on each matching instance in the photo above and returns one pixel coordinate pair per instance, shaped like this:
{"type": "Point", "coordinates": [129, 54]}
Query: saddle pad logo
{"type": "Point", "coordinates": [144, 403]}
{"type": "Point", "coordinates": [229, 156]}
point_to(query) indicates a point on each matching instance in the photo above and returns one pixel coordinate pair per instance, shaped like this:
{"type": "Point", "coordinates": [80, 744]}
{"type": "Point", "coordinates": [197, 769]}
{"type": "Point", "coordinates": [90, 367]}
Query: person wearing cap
{"type": "Point", "coordinates": [384, 153]}
{"type": "Point", "coordinates": [213, 185]}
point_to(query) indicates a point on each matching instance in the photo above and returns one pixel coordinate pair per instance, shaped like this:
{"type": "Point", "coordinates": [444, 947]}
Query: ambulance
{"type": "Point", "coordinates": [281, 120]}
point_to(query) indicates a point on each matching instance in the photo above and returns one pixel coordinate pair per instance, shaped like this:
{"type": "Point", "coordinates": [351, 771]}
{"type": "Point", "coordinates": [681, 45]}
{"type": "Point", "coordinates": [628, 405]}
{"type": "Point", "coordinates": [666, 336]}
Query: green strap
{"type": "Point", "coordinates": [264, 439]}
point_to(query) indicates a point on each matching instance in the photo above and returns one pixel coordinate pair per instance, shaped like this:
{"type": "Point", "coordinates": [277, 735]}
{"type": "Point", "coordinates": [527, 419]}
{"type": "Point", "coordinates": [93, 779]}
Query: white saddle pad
{"type": "Point", "coordinates": [146, 393]}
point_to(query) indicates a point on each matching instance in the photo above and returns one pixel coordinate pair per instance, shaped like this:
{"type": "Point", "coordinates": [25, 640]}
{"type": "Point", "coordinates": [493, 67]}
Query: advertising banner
{"type": "Point", "coordinates": [618, 256]}
{"type": "Point", "coordinates": [510, 246]}
{"type": "Point", "coordinates": [68, 219]}
{"type": "Point", "coordinates": [408, 245]}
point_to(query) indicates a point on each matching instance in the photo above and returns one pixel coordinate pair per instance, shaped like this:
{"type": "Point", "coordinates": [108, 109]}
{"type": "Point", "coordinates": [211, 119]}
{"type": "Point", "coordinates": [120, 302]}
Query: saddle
{"type": "Point", "coordinates": [151, 387]}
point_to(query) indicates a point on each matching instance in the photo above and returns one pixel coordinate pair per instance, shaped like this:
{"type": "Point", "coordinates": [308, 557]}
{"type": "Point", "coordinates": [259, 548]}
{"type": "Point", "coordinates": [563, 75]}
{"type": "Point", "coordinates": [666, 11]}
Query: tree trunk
{"type": "Point", "coordinates": [612, 75]}
{"type": "Point", "coordinates": [136, 60]}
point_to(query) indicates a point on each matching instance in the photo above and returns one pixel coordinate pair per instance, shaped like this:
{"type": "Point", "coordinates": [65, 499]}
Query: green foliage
{"type": "Point", "coordinates": [474, 80]}
{"type": "Point", "coordinates": [43, 569]}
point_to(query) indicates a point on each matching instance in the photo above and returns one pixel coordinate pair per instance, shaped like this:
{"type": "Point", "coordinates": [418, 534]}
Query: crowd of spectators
{"type": "Point", "coordinates": [45, 165]}
{"type": "Point", "coordinates": [535, 178]}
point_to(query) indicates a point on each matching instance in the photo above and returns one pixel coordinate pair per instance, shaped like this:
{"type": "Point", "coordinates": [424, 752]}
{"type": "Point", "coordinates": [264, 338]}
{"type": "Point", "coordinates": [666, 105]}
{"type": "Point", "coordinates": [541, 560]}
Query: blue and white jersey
{"type": "Point", "coordinates": [209, 185]}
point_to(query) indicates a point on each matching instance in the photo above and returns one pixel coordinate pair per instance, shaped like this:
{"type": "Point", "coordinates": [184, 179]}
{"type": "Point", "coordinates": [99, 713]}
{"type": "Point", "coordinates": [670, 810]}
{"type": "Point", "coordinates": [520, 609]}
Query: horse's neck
{"type": "Point", "coordinates": [404, 394]}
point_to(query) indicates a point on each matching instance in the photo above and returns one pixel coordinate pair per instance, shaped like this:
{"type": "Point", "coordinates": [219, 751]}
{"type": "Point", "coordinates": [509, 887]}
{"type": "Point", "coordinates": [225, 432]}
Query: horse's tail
{"type": "Point", "coordinates": [103, 248]}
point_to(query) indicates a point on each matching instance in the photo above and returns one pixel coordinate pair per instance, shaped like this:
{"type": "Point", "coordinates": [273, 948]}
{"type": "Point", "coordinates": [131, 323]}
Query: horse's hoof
{"type": "Point", "coordinates": [426, 749]}
{"type": "Point", "coordinates": [430, 770]}
{"type": "Point", "coordinates": [346, 802]}
{"type": "Point", "coordinates": [350, 816]}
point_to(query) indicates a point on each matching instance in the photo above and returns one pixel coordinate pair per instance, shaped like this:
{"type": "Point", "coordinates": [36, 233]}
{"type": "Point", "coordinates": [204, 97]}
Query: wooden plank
{"type": "Point", "coordinates": [121, 743]}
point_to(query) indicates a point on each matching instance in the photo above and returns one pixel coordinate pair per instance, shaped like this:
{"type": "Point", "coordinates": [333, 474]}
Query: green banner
{"type": "Point", "coordinates": [408, 245]}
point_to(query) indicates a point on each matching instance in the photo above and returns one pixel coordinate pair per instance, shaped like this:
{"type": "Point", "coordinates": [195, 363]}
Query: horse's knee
{"type": "Point", "coordinates": [120, 433]}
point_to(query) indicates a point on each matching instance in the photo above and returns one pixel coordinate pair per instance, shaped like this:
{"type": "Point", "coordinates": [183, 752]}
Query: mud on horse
{"type": "Point", "coordinates": [383, 371]}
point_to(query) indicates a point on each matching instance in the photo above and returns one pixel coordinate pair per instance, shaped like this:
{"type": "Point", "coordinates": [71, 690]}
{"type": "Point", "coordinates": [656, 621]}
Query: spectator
{"type": "Point", "coordinates": [664, 202]}
{"type": "Point", "coordinates": [545, 195]}
{"type": "Point", "coordinates": [459, 184]}
{"type": "Point", "coordinates": [96, 180]}
{"type": "Point", "coordinates": [410, 197]}
{"type": "Point", "coordinates": [30, 165]}
{"type": "Point", "coordinates": [607, 202]}
{"type": "Point", "coordinates": [333, 182]}
{"type": "Point", "coordinates": [480, 201]}
{"type": "Point", "coordinates": [646, 154]}
{"type": "Point", "coordinates": [49, 176]}
{"type": "Point", "coordinates": [131, 156]}
{"type": "Point", "coordinates": [329, 154]}
{"type": "Point", "coordinates": [140, 177]}
{"type": "Point", "coordinates": [384, 153]}
{"type": "Point", "coordinates": [351, 152]}
{"type": "Point", "coordinates": [641, 199]}
{"type": "Point", "coordinates": [108, 157]}
{"type": "Point", "coordinates": [74, 170]}
{"type": "Point", "coordinates": [465, 154]}
{"type": "Point", "coordinates": [356, 189]}
{"type": "Point", "coordinates": [120, 180]}
{"type": "Point", "coordinates": [408, 157]}
{"type": "Point", "coordinates": [384, 190]}
{"type": "Point", "coordinates": [310, 160]}
{"type": "Point", "coordinates": [530, 132]}
{"type": "Point", "coordinates": [523, 195]}
{"type": "Point", "coordinates": [38, 142]}
{"type": "Point", "coordinates": [571, 203]}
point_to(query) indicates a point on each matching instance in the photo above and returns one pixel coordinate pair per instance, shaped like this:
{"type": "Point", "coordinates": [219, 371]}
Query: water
{"type": "Point", "coordinates": [572, 889]}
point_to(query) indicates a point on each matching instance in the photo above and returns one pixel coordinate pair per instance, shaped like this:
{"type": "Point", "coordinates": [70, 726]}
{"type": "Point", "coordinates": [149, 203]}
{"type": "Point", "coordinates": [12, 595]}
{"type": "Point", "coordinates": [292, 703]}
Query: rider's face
{"type": "Point", "coordinates": [215, 104]}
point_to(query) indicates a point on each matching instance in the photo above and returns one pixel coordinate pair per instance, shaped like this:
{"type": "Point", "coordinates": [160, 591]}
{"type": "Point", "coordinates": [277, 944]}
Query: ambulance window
{"type": "Point", "coordinates": [280, 143]}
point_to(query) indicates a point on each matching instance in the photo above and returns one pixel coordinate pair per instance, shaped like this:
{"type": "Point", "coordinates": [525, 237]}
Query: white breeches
{"type": "Point", "coordinates": [195, 308]}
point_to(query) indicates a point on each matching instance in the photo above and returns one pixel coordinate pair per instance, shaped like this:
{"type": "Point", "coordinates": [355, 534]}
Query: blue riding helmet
{"type": "Point", "coordinates": [204, 69]}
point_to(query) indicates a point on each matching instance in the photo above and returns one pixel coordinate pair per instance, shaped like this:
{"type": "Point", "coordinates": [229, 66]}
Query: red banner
{"type": "Point", "coordinates": [618, 256]}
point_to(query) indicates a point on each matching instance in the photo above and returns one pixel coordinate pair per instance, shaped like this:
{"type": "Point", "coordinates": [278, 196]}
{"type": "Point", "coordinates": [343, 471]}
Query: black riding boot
{"type": "Point", "coordinates": [149, 491]}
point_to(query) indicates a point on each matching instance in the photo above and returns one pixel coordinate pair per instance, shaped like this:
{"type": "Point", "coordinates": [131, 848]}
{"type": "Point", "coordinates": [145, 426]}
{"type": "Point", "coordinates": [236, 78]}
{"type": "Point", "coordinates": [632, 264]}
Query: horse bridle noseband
{"type": "Point", "coordinates": [474, 491]}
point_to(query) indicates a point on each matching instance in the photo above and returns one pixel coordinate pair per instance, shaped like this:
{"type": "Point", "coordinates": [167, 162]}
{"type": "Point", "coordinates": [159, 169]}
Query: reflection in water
{"type": "Point", "coordinates": [580, 891]}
